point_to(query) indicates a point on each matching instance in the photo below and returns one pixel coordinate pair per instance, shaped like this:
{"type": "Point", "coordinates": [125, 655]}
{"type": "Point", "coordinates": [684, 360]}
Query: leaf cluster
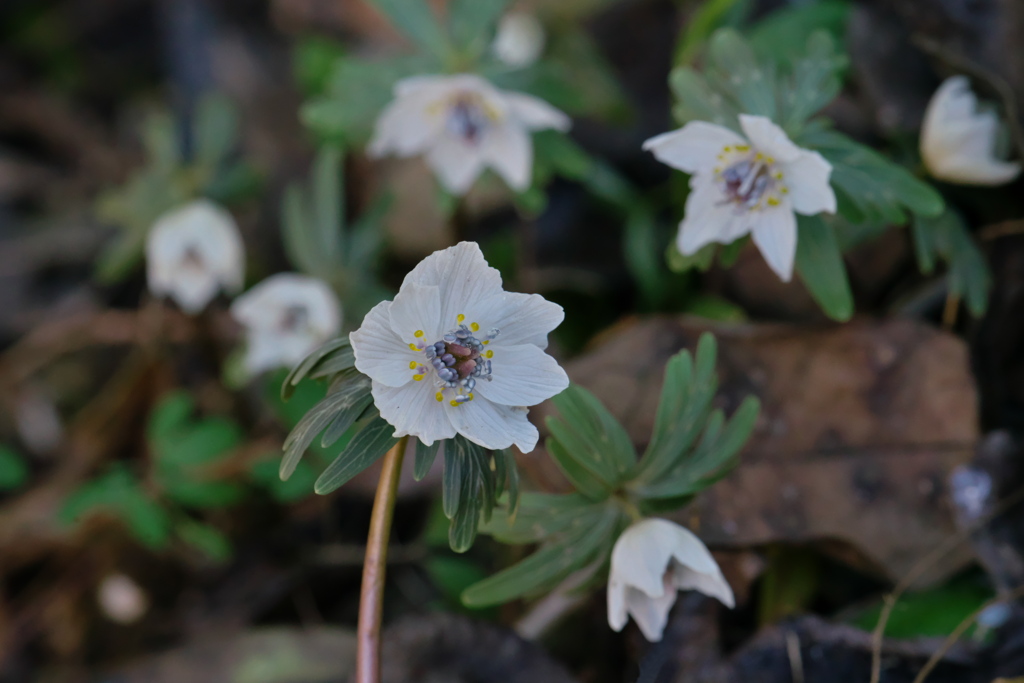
{"type": "Point", "coordinates": [692, 446]}
{"type": "Point", "coordinates": [181, 163]}
{"type": "Point", "coordinates": [473, 477]}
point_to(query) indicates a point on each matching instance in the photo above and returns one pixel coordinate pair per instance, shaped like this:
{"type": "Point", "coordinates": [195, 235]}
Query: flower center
{"type": "Point", "coordinates": [294, 318]}
{"type": "Point", "coordinates": [749, 180]}
{"type": "Point", "coordinates": [469, 117]}
{"type": "Point", "coordinates": [459, 359]}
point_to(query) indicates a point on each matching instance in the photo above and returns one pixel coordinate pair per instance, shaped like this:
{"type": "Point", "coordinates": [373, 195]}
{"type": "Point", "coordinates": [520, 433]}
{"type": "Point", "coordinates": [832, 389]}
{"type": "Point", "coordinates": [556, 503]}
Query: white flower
{"type": "Point", "coordinates": [741, 186]}
{"type": "Point", "coordinates": [454, 353]}
{"type": "Point", "coordinates": [958, 142]}
{"type": "Point", "coordinates": [285, 317]}
{"type": "Point", "coordinates": [192, 253]}
{"type": "Point", "coordinates": [463, 124]}
{"type": "Point", "coordinates": [121, 599]}
{"type": "Point", "coordinates": [520, 39]}
{"type": "Point", "coordinates": [652, 560]}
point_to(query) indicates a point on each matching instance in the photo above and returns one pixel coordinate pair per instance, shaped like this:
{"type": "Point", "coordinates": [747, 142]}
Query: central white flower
{"type": "Point", "coordinates": [463, 124]}
{"type": "Point", "coordinates": [958, 141]}
{"type": "Point", "coordinates": [454, 353]}
{"type": "Point", "coordinates": [745, 185]}
{"type": "Point", "coordinates": [285, 317]}
{"type": "Point", "coordinates": [651, 561]}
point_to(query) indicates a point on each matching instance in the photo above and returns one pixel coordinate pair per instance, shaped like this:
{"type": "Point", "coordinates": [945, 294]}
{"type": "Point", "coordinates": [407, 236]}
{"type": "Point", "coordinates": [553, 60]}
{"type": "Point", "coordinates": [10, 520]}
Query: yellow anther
{"type": "Point", "coordinates": [419, 333]}
{"type": "Point", "coordinates": [418, 377]}
{"type": "Point", "coordinates": [759, 156]}
{"type": "Point", "coordinates": [742, 148]}
{"type": "Point", "coordinates": [489, 354]}
{"type": "Point", "coordinates": [471, 397]}
{"type": "Point", "coordinates": [454, 403]}
{"type": "Point", "coordinates": [460, 318]}
{"type": "Point", "coordinates": [439, 396]}
{"type": "Point", "coordinates": [727, 148]}
{"type": "Point", "coordinates": [475, 327]}
{"type": "Point", "coordinates": [717, 170]}
{"type": "Point", "coordinates": [487, 341]}
{"type": "Point", "coordinates": [784, 190]}
{"type": "Point", "coordinates": [413, 365]}
{"type": "Point", "coordinates": [778, 175]}
{"type": "Point", "coordinates": [414, 347]}
{"type": "Point", "coordinates": [773, 201]}
{"type": "Point", "coordinates": [770, 160]}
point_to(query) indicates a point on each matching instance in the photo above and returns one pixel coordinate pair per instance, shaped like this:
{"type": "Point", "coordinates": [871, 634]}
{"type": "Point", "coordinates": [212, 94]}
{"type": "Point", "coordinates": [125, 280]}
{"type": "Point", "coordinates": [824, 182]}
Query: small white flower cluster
{"type": "Point", "coordinates": [196, 251]}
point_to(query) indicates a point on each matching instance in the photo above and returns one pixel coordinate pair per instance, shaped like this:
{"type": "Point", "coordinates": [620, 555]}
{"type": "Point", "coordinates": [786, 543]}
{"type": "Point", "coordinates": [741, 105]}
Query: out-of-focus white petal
{"type": "Point", "coordinates": [528, 377]}
{"type": "Point", "coordinates": [492, 425]}
{"type": "Point", "coordinates": [769, 138]}
{"type": "Point", "coordinates": [519, 41]}
{"type": "Point", "coordinates": [694, 147]}
{"type": "Point", "coordinates": [509, 151]}
{"type": "Point", "coordinates": [456, 165]}
{"type": "Point", "coordinates": [378, 351]}
{"type": "Point", "coordinates": [807, 178]}
{"type": "Point", "coordinates": [405, 127]}
{"type": "Point", "coordinates": [462, 277]}
{"type": "Point", "coordinates": [958, 142]}
{"type": "Point", "coordinates": [193, 252]}
{"type": "Point", "coordinates": [708, 218]}
{"type": "Point", "coordinates": [520, 318]}
{"type": "Point", "coordinates": [774, 234]}
{"type": "Point", "coordinates": [651, 560]}
{"type": "Point", "coordinates": [412, 409]}
{"type": "Point", "coordinates": [534, 113]}
{"type": "Point", "coordinates": [416, 308]}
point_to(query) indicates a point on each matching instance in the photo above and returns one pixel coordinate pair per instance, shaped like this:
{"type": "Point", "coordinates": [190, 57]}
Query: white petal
{"type": "Point", "coordinates": [534, 113]}
{"type": "Point", "coordinates": [617, 615]}
{"type": "Point", "coordinates": [493, 426]}
{"type": "Point", "coordinates": [191, 289]}
{"type": "Point", "coordinates": [261, 354]}
{"type": "Point", "coordinates": [413, 409]}
{"type": "Point", "coordinates": [641, 555]}
{"type": "Point", "coordinates": [709, 217]}
{"type": "Point", "coordinates": [769, 138]}
{"type": "Point", "coordinates": [462, 277]}
{"type": "Point", "coordinates": [708, 583]}
{"type": "Point", "coordinates": [523, 376]}
{"type": "Point", "coordinates": [694, 147]}
{"type": "Point", "coordinates": [437, 85]}
{"type": "Point", "coordinates": [519, 318]}
{"type": "Point", "coordinates": [508, 149]}
{"type": "Point", "coordinates": [520, 39]}
{"type": "Point", "coordinates": [417, 308]}
{"type": "Point", "coordinates": [650, 614]}
{"type": "Point", "coordinates": [266, 305]}
{"type": "Point", "coordinates": [406, 126]}
{"type": "Point", "coordinates": [456, 164]}
{"type": "Point", "coordinates": [775, 235]}
{"type": "Point", "coordinates": [958, 142]}
{"type": "Point", "coordinates": [807, 180]}
{"type": "Point", "coordinates": [379, 352]}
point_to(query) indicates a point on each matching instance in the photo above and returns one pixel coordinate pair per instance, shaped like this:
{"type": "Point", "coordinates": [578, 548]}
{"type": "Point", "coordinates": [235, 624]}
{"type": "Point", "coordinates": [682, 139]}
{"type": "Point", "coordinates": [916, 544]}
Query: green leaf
{"type": "Point", "coordinates": [708, 17]}
{"type": "Point", "coordinates": [456, 468]}
{"type": "Point", "coordinates": [643, 255]}
{"type": "Point", "coordinates": [749, 81]}
{"type": "Point", "coordinates": [946, 237]}
{"type": "Point", "coordinates": [586, 538]}
{"type": "Point", "coordinates": [575, 469]}
{"type": "Point", "coordinates": [814, 82]}
{"type": "Point", "coordinates": [339, 409]}
{"type": "Point", "coordinates": [513, 479]}
{"type": "Point", "coordinates": [683, 410]}
{"type": "Point", "coordinates": [295, 488]}
{"type": "Point", "coordinates": [593, 435]}
{"type": "Point", "coordinates": [13, 470]}
{"type": "Point", "coordinates": [821, 267]}
{"type": "Point", "coordinates": [171, 413]}
{"type": "Point", "coordinates": [197, 443]}
{"type": "Point", "coordinates": [415, 19]}
{"type": "Point", "coordinates": [539, 515]}
{"type": "Point", "coordinates": [161, 140]}
{"type": "Point", "coordinates": [189, 491]}
{"type": "Point", "coordinates": [782, 35]}
{"type": "Point", "coordinates": [472, 23]}
{"type": "Point", "coordinates": [216, 129]}
{"type": "Point", "coordinates": [369, 444]}
{"type": "Point", "coordinates": [424, 458]}
{"type": "Point", "coordinates": [878, 189]}
{"type": "Point", "coordinates": [118, 493]}
{"type": "Point", "coordinates": [337, 351]}
{"type": "Point", "coordinates": [312, 62]}
{"type": "Point", "coordinates": [204, 538]}
{"type": "Point", "coordinates": [696, 100]}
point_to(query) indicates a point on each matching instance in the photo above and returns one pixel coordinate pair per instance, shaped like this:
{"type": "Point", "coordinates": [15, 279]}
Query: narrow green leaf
{"type": "Point", "coordinates": [216, 129]}
{"type": "Point", "coordinates": [539, 515]}
{"type": "Point", "coordinates": [424, 458]}
{"type": "Point", "coordinates": [821, 267]}
{"type": "Point", "coordinates": [337, 347]}
{"type": "Point", "coordinates": [329, 198]}
{"type": "Point", "coordinates": [456, 468]}
{"type": "Point", "coordinates": [750, 81]}
{"type": "Point", "coordinates": [13, 470]}
{"type": "Point", "coordinates": [513, 480]}
{"type": "Point", "coordinates": [367, 447]}
{"type": "Point", "coordinates": [415, 19]}
{"type": "Point", "coordinates": [946, 237]}
{"type": "Point", "coordinates": [472, 23]}
{"type": "Point", "coordinates": [206, 539]}
{"type": "Point", "coordinates": [576, 471]}
{"type": "Point", "coordinates": [593, 434]}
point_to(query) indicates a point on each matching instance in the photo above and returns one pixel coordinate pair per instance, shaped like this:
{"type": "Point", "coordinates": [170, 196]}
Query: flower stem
{"type": "Point", "coordinates": [371, 595]}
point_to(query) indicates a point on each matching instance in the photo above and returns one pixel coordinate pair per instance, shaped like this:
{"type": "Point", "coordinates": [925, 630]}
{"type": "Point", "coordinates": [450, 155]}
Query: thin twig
{"type": "Point", "coordinates": [796, 660]}
{"type": "Point", "coordinates": [950, 311]}
{"type": "Point", "coordinates": [918, 570]}
{"type": "Point", "coordinates": [937, 656]}
{"type": "Point", "coordinates": [371, 594]}
{"type": "Point", "coordinates": [994, 232]}
{"type": "Point", "coordinates": [999, 84]}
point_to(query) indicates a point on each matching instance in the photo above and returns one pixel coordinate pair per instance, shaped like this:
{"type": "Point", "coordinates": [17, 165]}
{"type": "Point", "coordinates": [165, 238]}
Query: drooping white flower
{"type": "Point", "coordinates": [285, 317]}
{"type": "Point", "coordinates": [746, 185]}
{"type": "Point", "coordinates": [651, 560]}
{"type": "Point", "coordinates": [192, 253]}
{"type": "Point", "coordinates": [958, 141]}
{"type": "Point", "coordinates": [519, 41]}
{"type": "Point", "coordinates": [456, 354]}
{"type": "Point", "coordinates": [462, 124]}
